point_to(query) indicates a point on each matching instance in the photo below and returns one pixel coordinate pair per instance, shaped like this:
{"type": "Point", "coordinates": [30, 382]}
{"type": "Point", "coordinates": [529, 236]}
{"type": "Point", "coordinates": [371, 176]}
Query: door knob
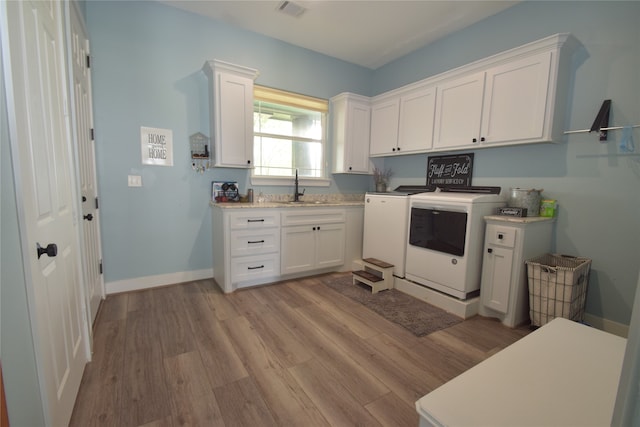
{"type": "Point", "coordinates": [88, 217]}
{"type": "Point", "coordinates": [51, 250]}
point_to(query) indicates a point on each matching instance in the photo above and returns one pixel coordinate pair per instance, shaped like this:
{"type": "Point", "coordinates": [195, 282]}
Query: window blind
{"type": "Point", "coordinates": [276, 96]}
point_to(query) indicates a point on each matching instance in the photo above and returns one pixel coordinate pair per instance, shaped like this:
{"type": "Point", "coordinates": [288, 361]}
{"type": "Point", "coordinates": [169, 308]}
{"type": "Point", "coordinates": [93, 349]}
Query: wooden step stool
{"type": "Point", "coordinates": [377, 274]}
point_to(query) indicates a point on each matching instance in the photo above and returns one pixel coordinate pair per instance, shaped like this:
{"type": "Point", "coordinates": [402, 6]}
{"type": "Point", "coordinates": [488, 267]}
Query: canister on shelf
{"type": "Point", "coordinates": [250, 195]}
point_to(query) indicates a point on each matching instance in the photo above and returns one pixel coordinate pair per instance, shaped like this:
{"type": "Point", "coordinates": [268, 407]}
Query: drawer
{"type": "Point", "coordinates": [253, 242]}
{"type": "Point", "coordinates": [252, 218]}
{"type": "Point", "coordinates": [307, 216]}
{"type": "Point", "coordinates": [501, 235]}
{"type": "Point", "coordinates": [253, 268]}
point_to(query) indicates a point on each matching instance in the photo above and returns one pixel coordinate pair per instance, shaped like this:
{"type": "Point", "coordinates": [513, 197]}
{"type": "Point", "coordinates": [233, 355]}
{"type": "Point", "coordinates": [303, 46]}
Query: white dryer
{"type": "Point", "coordinates": [445, 238]}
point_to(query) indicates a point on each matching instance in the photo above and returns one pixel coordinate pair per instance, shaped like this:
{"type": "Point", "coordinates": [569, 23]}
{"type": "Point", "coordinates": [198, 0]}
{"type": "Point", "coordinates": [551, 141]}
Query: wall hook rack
{"type": "Point", "coordinates": [601, 122]}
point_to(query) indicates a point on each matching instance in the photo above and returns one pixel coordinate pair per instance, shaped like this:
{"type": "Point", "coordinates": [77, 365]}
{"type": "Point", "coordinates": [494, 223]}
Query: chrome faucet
{"type": "Point", "coordinates": [296, 190]}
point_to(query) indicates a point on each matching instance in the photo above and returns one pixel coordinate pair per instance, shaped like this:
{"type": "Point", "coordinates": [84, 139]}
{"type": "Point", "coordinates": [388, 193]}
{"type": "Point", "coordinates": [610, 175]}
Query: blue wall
{"type": "Point", "coordinates": [147, 61]}
{"type": "Point", "coordinates": [597, 188]}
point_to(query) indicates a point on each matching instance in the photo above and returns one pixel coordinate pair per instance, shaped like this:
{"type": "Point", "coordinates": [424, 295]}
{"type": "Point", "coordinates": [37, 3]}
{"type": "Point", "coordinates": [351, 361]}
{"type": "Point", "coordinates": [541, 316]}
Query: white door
{"type": "Point", "coordinates": [459, 112]}
{"type": "Point", "coordinates": [329, 245]}
{"type": "Point", "coordinates": [358, 137]}
{"type": "Point", "coordinates": [417, 115]}
{"type": "Point", "coordinates": [384, 127]}
{"type": "Point", "coordinates": [40, 140]}
{"type": "Point", "coordinates": [235, 134]}
{"type": "Point", "coordinates": [496, 278]}
{"type": "Point", "coordinates": [515, 100]}
{"type": "Point", "coordinates": [297, 249]}
{"type": "Point", "coordinates": [83, 125]}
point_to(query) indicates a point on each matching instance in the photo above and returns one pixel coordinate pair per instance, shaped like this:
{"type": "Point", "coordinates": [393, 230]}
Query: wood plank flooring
{"type": "Point", "coordinates": [294, 353]}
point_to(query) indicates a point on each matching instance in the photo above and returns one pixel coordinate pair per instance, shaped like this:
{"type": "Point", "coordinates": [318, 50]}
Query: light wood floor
{"type": "Point", "coordinates": [290, 354]}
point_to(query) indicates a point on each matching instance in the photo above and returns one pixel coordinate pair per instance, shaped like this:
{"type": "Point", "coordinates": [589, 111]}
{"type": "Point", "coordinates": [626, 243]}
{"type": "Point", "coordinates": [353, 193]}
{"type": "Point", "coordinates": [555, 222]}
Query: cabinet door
{"type": "Point", "coordinates": [234, 130]}
{"type": "Point", "coordinates": [298, 251]}
{"type": "Point", "coordinates": [358, 131]}
{"type": "Point", "coordinates": [496, 278]}
{"type": "Point", "coordinates": [417, 111]}
{"type": "Point", "coordinates": [330, 242]}
{"type": "Point", "coordinates": [515, 100]}
{"type": "Point", "coordinates": [458, 112]}
{"type": "Point", "coordinates": [384, 127]}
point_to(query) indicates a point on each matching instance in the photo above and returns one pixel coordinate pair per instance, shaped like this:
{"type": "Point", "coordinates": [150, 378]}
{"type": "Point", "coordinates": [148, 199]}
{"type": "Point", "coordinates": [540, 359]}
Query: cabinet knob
{"type": "Point", "coordinates": [350, 168]}
{"type": "Point", "coordinates": [248, 162]}
{"type": "Point", "coordinates": [482, 139]}
{"type": "Point", "coordinates": [314, 229]}
{"type": "Point", "coordinates": [398, 148]}
{"type": "Point", "coordinates": [500, 236]}
{"type": "Point", "coordinates": [490, 250]}
{"type": "Point", "coordinates": [393, 149]}
{"type": "Point", "coordinates": [474, 140]}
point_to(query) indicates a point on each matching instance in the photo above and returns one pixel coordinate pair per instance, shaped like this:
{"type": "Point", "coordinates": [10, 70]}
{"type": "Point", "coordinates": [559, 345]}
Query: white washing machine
{"type": "Point", "coordinates": [386, 217]}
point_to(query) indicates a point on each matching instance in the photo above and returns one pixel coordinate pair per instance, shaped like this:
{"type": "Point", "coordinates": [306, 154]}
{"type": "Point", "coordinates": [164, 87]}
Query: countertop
{"type": "Point", "coordinates": [520, 220]}
{"type": "Point", "coordinates": [563, 374]}
{"type": "Point", "coordinates": [308, 201]}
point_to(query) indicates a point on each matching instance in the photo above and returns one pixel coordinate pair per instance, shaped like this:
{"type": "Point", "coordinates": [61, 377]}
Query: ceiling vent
{"type": "Point", "coordinates": [290, 8]}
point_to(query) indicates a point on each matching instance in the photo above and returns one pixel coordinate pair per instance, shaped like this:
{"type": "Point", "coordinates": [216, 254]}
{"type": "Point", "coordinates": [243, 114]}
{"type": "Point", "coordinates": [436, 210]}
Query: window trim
{"type": "Point", "coordinates": [292, 99]}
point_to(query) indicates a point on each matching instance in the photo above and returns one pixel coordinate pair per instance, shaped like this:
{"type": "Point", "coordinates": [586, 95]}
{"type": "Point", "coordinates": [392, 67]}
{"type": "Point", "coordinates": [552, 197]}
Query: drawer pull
{"type": "Point", "coordinates": [255, 220]}
{"type": "Point", "coordinates": [255, 268]}
{"type": "Point", "coordinates": [255, 241]}
{"type": "Point", "coordinates": [500, 236]}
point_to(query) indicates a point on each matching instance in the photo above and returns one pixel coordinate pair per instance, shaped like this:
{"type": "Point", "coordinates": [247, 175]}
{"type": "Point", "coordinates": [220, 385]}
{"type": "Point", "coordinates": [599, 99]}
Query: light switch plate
{"type": "Point", "coordinates": [135, 181]}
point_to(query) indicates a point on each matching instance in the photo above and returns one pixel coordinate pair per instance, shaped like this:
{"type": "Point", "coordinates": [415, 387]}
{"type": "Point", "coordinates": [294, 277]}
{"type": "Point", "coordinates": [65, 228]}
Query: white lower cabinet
{"type": "Point", "coordinates": [246, 247]}
{"type": "Point", "coordinates": [312, 240]}
{"type": "Point", "coordinates": [254, 246]}
{"type": "Point", "coordinates": [509, 242]}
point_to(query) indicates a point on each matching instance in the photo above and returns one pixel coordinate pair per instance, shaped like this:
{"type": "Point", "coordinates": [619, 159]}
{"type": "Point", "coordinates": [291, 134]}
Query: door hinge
{"type": "Point", "coordinates": [100, 266]}
{"type": "Point", "coordinates": [93, 134]}
{"type": "Point", "coordinates": [96, 203]}
{"type": "Point", "coordinates": [88, 61]}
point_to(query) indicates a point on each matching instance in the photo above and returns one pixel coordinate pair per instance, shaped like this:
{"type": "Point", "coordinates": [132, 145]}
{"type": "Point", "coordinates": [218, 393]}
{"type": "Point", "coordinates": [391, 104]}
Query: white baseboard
{"type": "Point", "coordinates": [147, 282]}
{"type": "Point", "coordinates": [619, 329]}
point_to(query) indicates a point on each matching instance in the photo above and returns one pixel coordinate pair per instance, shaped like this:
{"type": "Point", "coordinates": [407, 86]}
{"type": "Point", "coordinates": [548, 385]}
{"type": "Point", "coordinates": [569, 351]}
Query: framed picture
{"type": "Point", "coordinates": [157, 146]}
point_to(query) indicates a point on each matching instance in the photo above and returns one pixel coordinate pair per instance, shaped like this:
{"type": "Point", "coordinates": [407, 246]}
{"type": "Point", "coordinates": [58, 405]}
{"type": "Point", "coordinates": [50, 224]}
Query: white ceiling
{"type": "Point", "coordinates": [364, 32]}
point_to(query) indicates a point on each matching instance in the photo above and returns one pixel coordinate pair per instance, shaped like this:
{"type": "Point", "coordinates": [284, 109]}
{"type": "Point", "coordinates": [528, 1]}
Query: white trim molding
{"type": "Point", "coordinates": [147, 282]}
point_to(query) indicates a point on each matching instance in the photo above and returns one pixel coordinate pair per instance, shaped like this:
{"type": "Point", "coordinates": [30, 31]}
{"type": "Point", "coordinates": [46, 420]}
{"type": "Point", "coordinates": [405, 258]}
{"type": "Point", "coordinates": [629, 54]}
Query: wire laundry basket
{"type": "Point", "coordinates": [557, 287]}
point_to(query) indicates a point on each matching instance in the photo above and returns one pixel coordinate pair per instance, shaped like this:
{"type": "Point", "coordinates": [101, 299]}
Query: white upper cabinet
{"type": "Point", "coordinates": [403, 123]}
{"type": "Point", "coordinates": [231, 112]}
{"type": "Point", "coordinates": [516, 97]}
{"type": "Point", "coordinates": [505, 104]}
{"type": "Point", "coordinates": [351, 116]}
{"type": "Point", "coordinates": [385, 114]}
{"type": "Point", "coordinates": [417, 110]}
{"type": "Point", "coordinates": [459, 111]}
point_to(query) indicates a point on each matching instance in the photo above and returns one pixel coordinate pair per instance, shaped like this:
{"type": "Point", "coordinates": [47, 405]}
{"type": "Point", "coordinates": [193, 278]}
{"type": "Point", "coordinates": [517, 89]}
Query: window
{"type": "Point", "coordinates": [288, 134]}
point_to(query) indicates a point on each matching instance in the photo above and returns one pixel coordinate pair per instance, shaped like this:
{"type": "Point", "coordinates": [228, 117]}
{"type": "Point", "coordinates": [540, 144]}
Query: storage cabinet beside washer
{"type": "Point", "coordinates": [509, 242]}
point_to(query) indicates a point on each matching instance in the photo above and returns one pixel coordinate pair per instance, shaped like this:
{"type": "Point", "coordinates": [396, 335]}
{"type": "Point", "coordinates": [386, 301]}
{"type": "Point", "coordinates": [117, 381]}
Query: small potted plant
{"type": "Point", "coordinates": [381, 179]}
